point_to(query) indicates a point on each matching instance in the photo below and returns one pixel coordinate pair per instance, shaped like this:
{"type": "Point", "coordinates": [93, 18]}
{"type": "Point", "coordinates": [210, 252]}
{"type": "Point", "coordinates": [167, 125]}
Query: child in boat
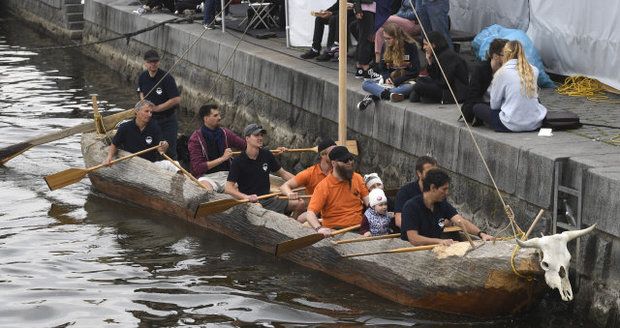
{"type": "Point", "coordinates": [379, 222]}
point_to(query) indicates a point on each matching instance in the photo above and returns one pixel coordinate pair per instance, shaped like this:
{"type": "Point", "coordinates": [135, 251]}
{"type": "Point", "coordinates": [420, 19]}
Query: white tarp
{"type": "Point", "coordinates": [573, 37]}
{"type": "Point", "coordinates": [301, 23]}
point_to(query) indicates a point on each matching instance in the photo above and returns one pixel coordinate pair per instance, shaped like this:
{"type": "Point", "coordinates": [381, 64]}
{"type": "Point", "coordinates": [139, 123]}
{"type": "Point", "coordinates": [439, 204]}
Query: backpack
{"type": "Point", "coordinates": [561, 120]}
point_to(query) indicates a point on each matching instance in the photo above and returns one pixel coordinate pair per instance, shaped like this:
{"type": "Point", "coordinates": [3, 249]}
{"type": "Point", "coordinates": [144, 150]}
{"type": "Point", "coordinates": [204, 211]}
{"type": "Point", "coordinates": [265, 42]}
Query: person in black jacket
{"type": "Point", "coordinates": [327, 17]}
{"type": "Point", "coordinates": [434, 88]}
{"type": "Point", "coordinates": [480, 80]}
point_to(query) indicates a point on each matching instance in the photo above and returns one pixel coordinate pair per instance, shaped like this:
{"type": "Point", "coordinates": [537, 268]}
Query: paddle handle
{"type": "Point", "coordinates": [341, 231]}
{"type": "Point", "coordinates": [294, 150]}
{"type": "Point", "coordinates": [273, 194]}
{"type": "Point", "coordinates": [357, 240]}
{"type": "Point", "coordinates": [396, 250]}
{"type": "Point", "coordinates": [187, 174]}
{"type": "Point", "coordinates": [300, 197]}
{"type": "Point", "coordinates": [92, 168]}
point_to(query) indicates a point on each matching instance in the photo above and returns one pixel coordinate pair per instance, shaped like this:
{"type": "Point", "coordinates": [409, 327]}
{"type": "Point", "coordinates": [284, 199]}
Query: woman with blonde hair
{"type": "Point", "coordinates": [514, 103]}
{"type": "Point", "coordinates": [399, 64]}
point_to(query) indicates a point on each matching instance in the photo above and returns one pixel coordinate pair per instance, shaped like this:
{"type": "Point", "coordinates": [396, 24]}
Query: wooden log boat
{"type": "Point", "coordinates": [479, 284]}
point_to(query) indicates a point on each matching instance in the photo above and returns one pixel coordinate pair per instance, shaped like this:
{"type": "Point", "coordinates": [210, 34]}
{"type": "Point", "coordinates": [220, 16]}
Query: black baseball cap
{"type": "Point", "coordinates": [151, 55]}
{"type": "Point", "coordinates": [253, 129]}
{"type": "Point", "coordinates": [340, 153]}
{"type": "Point", "coordinates": [325, 143]}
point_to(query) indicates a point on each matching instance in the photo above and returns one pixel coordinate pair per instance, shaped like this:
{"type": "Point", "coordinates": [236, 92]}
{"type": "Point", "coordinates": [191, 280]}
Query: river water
{"type": "Point", "coordinates": [72, 258]}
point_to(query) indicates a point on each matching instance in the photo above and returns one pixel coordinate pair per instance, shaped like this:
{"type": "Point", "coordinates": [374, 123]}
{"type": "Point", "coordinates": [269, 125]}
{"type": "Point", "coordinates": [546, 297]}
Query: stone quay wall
{"type": "Point", "coordinates": [296, 101]}
{"type": "Point", "coordinates": [64, 17]}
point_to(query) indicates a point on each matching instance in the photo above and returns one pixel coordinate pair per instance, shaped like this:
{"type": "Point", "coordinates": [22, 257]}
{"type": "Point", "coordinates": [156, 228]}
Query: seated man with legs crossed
{"type": "Point", "coordinates": [139, 134]}
{"type": "Point", "coordinates": [340, 197]}
{"type": "Point", "coordinates": [210, 149]}
{"type": "Point", "coordinates": [249, 174]}
{"type": "Point", "coordinates": [424, 217]}
{"type": "Point", "coordinates": [310, 177]}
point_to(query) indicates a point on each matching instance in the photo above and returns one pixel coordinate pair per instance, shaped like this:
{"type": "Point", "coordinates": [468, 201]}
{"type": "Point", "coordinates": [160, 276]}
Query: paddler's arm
{"type": "Point", "coordinates": [287, 189]}
{"type": "Point", "coordinates": [314, 223]}
{"type": "Point", "coordinates": [226, 156]}
{"type": "Point", "coordinates": [284, 174]}
{"type": "Point", "coordinates": [232, 190]}
{"type": "Point", "coordinates": [168, 104]}
{"type": "Point", "coordinates": [418, 240]}
{"type": "Point", "coordinates": [397, 218]}
{"type": "Point", "coordinates": [471, 228]}
{"type": "Point", "coordinates": [111, 153]}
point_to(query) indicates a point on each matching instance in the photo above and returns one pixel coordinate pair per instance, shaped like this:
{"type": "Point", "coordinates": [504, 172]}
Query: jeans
{"type": "Point", "coordinates": [375, 89]}
{"type": "Point", "coordinates": [169, 127]}
{"type": "Point", "coordinates": [434, 16]}
{"type": "Point", "coordinates": [209, 11]}
{"type": "Point", "coordinates": [490, 117]}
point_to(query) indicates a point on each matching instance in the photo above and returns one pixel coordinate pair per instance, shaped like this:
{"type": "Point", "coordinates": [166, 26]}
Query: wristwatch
{"type": "Point", "coordinates": [480, 233]}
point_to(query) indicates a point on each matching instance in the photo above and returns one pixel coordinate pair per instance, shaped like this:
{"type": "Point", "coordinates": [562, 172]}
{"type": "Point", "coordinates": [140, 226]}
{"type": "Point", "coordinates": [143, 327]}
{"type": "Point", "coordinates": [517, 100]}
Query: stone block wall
{"type": "Point", "coordinates": [64, 17]}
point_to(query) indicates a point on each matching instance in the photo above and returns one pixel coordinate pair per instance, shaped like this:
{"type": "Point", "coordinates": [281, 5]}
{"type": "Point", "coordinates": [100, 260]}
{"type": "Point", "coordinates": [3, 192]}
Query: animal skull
{"type": "Point", "coordinates": [555, 259]}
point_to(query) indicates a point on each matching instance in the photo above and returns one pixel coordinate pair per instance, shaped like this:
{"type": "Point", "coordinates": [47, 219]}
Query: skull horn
{"type": "Point", "coordinates": [531, 243]}
{"type": "Point", "coordinates": [570, 235]}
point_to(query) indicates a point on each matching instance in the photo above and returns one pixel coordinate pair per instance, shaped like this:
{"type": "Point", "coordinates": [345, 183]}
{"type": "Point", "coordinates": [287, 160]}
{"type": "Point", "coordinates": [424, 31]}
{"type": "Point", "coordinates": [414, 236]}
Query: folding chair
{"type": "Point", "coordinates": [261, 14]}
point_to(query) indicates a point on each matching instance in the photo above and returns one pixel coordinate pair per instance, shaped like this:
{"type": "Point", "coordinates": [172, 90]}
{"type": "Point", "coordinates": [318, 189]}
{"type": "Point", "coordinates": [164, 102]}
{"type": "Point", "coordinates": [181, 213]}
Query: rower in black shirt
{"type": "Point", "coordinates": [413, 188]}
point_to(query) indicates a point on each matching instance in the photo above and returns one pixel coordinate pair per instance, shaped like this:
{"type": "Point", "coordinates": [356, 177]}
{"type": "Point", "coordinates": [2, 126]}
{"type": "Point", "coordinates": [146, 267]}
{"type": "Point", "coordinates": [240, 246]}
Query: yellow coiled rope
{"type": "Point", "coordinates": [582, 86]}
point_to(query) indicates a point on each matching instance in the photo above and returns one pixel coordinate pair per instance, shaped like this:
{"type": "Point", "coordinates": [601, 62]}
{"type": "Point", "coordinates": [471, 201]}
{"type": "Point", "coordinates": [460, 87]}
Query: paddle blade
{"type": "Point", "coordinates": [11, 151]}
{"type": "Point", "coordinates": [217, 206]}
{"type": "Point", "coordinates": [65, 178]}
{"type": "Point", "coordinates": [295, 244]}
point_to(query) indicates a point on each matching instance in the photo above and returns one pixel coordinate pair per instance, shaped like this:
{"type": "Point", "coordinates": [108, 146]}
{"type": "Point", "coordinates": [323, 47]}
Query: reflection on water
{"type": "Point", "coordinates": [73, 258]}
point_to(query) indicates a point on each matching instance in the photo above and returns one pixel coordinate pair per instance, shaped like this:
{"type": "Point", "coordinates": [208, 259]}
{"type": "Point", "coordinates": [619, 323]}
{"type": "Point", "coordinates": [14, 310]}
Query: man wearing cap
{"type": "Point", "coordinates": [249, 174]}
{"type": "Point", "coordinates": [424, 216]}
{"type": "Point", "coordinates": [210, 150]}
{"type": "Point", "coordinates": [160, 88]}
{"type": "Point", "coordinates": [340, 198]}
{"type": "Point", "coordinates": [311, 176]}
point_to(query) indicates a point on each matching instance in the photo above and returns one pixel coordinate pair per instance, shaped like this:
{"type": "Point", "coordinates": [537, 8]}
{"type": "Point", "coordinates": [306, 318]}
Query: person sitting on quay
{"type": "Point", "coordinates": [405, 19]}
{"type": "Point", "coordinates": [478, 90]}
{"type": "Point", "coordinates": [433, 88]}
{"type": "Point", "coordinates": [399, 65]}
{"type": "Point", "coordinates": [340, 197]}
{"type": "Point", "coordinates": [514, 103]}
{"type": "Point", "coordinates": [158, 87]}
{"type": "Point", "coordinates": [424, 217]}
{"type": "Point", "coordinates": [210, 150]}
{"type": "Point", "coordinates": [414, 188]}
{"type": "Point", "coordinates": [327, 17]}
{"type": "Point", "coordinates": [249, 174]}
{"type": "Point", "coordinates": [376, 215]}
{"type": "Point", "coordinates": [139, 134]}
{"type": "Point", "coordinates": [310, 177]}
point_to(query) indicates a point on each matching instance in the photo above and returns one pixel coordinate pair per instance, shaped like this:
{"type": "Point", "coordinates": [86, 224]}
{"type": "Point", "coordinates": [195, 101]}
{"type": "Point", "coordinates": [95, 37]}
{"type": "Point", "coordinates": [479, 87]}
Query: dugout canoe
{"type": "Point", "coordinates": [479, 284]}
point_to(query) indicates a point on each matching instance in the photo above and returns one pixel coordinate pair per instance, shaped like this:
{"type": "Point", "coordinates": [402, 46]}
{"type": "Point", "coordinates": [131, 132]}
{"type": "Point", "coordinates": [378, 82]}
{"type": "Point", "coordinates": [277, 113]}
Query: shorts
{"type": "Point", "coordinates": [275, 204]}
{"type": "Point", "coordinates": [217, 180]}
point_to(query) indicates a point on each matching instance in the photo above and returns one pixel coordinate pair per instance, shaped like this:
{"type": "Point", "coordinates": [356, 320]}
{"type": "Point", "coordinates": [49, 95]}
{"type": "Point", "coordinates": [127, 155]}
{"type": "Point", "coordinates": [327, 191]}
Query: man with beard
{"type": "Point", "coordinates": [413, 188]}
{"type": "Point", "coordinates": [210, 149]}
{"type": "Point", "coordinates": [249, 174]}
{"type": "Point", "coordinates": [159, 87]}
{"type": "Point", "coordinates": [139, 134]}
{"type": "Point", "coordinates": [424, 216]}
{"type": "Point", "coordinates": [339, 198]}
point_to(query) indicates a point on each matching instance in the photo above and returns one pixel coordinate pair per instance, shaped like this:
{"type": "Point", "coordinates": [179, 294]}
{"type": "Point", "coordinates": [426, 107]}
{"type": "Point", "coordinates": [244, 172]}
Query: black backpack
{"type": "Point", "coordinates": [561, 120]}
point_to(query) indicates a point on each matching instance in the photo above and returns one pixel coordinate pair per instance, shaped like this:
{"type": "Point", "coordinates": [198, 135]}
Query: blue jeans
{"type": "Point", "coordinates": [375, 89]}
{"type": "Point", "coordinates": [209, 12]}
{"type": "Point", "coordinates": [169, 127]}
{"type": "Point", "coordinates": [490, 117]}
{"type": "Point", "coordinates": [434, 16]}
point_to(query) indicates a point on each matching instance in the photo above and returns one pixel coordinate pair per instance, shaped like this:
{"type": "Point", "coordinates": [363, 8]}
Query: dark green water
{"type": "Point", "coordinates": [71, 258]}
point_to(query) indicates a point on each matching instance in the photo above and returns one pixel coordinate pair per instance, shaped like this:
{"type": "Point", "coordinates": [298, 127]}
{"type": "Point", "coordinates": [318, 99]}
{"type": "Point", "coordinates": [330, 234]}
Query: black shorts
{"type": "Point", "coordinates": [275, 204]}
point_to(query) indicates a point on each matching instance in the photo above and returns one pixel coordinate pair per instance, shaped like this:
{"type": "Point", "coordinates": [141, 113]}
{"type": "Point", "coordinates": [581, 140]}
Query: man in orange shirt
{"type": "Point", "coordinates": [340, 197]}
{"type": "Point", "coordinates": [311, 176]}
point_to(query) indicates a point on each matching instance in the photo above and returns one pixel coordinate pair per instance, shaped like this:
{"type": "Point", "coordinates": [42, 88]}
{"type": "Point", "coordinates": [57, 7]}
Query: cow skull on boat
{"type": "Point", "coordinates": [555, 258]}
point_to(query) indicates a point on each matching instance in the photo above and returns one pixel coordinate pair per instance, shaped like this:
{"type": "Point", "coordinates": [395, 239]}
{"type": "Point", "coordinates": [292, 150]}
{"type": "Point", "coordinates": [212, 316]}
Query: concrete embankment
{"type": "Point", "coordinates": [296, 101]}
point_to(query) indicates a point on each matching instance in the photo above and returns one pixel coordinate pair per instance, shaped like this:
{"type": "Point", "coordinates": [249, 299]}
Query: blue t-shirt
{"type": "Point", "coordinates": [405, 193]}
{"type": "Point", "coordinates": [165, 90]}
{"type": "Point", "coordinates": [252, 176]}
{"type": "Point", "coordinates": [129, 138]}
{"type": "Point", "coordinates": [416, 216]}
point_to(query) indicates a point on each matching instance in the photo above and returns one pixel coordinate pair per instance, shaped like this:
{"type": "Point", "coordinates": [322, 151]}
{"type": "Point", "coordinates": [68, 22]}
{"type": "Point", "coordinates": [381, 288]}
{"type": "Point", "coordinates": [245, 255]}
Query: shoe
{"type": "Point", "coordinates": [362, 105]}
{"type": "Point", "coordinates": [423, 73]}
{"type": "Point", "coordinates": [218, 19]}
{"type": "Point", "coordinates": [360, 73]}
{"type": "Point", "coordinates": [208, 27]}
{"type": "Point", "coordinates": [397, 97]}
{"type": "Point", "coordinates": [385, 95]}
{"type": "Point", "coordinates": [324, 57]}
{"type": "Point", "coordinates": [310, 54]}
{"type": "Point", "coordinates": [140, 11]}
{"type": "Point", "coordinates": [372, 75]}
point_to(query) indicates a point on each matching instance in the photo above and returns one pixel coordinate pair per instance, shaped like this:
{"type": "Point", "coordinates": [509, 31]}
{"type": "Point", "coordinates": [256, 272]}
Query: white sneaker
{"type": "Point", "coordinates": [208, 27]}
{"type": "Point", "coordinates": [372, 75]}
{"type": "Point", "coordinates": [140, 11]}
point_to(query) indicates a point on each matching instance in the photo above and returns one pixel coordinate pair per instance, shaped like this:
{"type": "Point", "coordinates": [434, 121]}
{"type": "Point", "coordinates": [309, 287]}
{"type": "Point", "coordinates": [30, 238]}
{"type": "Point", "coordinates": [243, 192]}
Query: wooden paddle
{"type": "Point", "coordinates": [350, 144]}
{"type": "Point", "coordinates": [187, 174]}
{"type": "Point", "coordinates": [396, 250]}
{"type": "Point", "coordinates": [394, 235]}
{"type": "Point", "coordinates": [300, 197]}
{"type": "Point", "coordinates": [109, 121]}
{"type": "Point", "coordinates": [295, 244]}
{"type": "Point", "coordinates": [222, 205]}
{"type": "Point", "coordinates": [73, 175]}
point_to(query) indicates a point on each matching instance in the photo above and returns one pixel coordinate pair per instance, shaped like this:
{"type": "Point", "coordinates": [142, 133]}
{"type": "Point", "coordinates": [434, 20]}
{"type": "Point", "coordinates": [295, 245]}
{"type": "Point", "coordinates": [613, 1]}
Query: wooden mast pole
{"type": "Point", "coordinates": [342, 72]}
